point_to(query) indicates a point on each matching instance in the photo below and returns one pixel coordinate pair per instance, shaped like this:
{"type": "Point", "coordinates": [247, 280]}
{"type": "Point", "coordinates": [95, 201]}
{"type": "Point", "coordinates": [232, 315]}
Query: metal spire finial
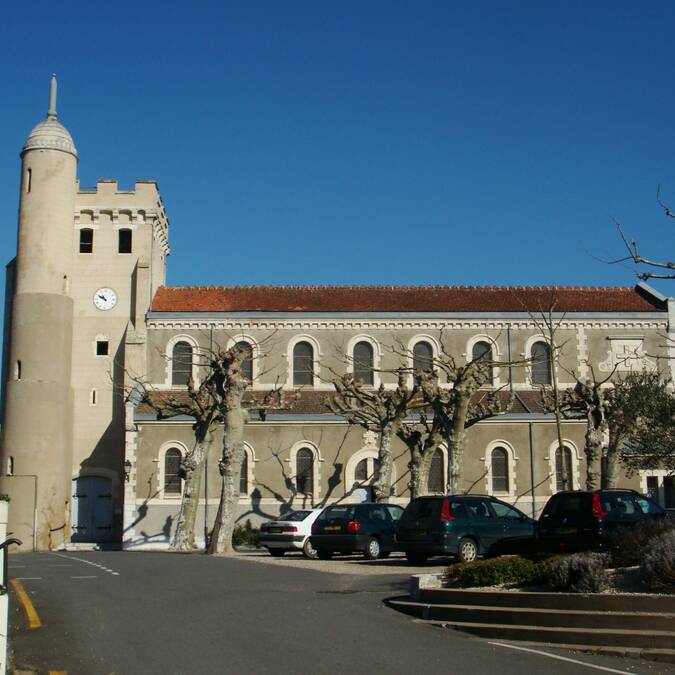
{"type": "Point", "coordinates": [51, 113]}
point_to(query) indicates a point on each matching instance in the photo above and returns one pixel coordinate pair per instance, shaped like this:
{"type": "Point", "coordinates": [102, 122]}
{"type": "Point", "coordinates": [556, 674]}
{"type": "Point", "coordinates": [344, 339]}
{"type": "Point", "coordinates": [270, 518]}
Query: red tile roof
{"type": "Point", "coordinates": [398, 299]}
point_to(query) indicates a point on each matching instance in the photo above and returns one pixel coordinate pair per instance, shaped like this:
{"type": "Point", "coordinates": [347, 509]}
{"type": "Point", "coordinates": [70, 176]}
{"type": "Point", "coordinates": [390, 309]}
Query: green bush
{"type": "Point", "coordinates": [658, 563]}
{"type": "Point", "coordinates": [579, 573]}
{"type": "Point", "coordinates": [627, 544]}
{"type": "Point", "coordinates": [245, 535]}
{"type": "Point", "coordinates": [515, 570]}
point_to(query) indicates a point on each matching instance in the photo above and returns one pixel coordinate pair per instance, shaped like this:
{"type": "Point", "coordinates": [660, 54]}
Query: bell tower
{"type": "Point", "coordinates": [37, 424]}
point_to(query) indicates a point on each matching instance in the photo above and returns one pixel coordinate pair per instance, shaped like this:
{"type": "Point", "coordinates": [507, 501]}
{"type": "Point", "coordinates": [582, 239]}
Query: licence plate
{"type": "Point", "coordinates": [419, 533]}
{"type": "Point", "coordinates": [567, 530]}
{"type": "Point", "coordinates": [332, 528]}
{"type": "Point", "coordinates": [274, 530]}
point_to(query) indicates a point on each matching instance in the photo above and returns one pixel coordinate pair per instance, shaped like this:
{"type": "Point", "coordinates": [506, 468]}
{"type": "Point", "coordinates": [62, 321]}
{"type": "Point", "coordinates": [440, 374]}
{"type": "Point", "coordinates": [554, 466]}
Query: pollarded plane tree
{"type": "Point", "coordinates": [380, 410]}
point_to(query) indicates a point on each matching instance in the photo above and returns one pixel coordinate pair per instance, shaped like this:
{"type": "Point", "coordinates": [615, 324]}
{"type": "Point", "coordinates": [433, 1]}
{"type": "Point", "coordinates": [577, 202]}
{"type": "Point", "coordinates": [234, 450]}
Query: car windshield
{"type": "Point", "coordinates": [647, 506]}
{"type": "Point", "coordinates": [394, 511]}
{"type": "Point", "coordinates": [294, 516]}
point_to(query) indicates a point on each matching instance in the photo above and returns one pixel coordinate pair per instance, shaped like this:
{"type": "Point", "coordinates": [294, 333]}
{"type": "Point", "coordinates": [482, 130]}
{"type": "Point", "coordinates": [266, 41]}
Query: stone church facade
{"type": "Point", "coordinates": [86, 305]}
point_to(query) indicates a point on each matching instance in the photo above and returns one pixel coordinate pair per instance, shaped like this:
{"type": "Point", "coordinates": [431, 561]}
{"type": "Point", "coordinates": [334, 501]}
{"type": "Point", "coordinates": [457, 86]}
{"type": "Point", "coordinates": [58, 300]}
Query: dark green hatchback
{"type": "Point", "coordinates": [464, 526]}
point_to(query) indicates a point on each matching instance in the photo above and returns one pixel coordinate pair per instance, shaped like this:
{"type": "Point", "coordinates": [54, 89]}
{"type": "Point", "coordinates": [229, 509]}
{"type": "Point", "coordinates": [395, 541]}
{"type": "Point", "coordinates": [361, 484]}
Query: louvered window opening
{"type": "Point", "coordinates": [435, 483]}
{"type": "Point", "coordinates": [482, 351]}
{"type": "Point", "coordinates": [541, 363]}
{"type": "Point", "coordinates": [247, 363]}
{"type": "Point", "coordinates": [500, 470]}
{"type": "Point", "coordinates": [423, 356]}
{"type": "Point", "coordinates": [559, 469]}
{"type": "Point", "coordinates": [181, 363]}
{"type": "Point", "coordinates": [303, 364]}
{"type": "Point", "coordinates": [172, 480]}
{"type": "Point", "coordinates": [363, 363]}
{"type": "Point", "coordinates": [304, 472]}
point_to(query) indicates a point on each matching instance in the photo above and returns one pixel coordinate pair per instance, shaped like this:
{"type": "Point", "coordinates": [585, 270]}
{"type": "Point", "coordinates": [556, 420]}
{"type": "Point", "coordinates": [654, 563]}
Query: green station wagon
{"type": "Point", "coordinates": [464, 526]}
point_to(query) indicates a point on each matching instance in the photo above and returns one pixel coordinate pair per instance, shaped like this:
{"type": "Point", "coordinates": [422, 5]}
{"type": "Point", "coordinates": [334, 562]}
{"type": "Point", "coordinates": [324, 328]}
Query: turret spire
{"type": "Point", "coordinates": [51, 113]}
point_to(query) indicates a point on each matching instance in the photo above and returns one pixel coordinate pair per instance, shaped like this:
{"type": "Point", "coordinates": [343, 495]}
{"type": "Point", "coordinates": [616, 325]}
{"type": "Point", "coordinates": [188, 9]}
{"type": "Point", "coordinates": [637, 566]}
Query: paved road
{"type": "Point", "coordinates": [147, 613]}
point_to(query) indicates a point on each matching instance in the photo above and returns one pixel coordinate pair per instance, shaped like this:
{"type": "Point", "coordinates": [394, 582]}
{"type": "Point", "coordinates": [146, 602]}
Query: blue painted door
{"type": "Point", "coordinates": [92, 514]}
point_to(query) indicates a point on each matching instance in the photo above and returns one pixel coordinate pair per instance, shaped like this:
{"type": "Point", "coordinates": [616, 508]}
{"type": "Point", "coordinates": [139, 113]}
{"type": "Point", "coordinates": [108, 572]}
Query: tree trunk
{"type": "Point", "coordinates": [457, 439]}
{"type": "Point", "coordinates": [184, 537]}
{"type": "Point", "coordinates": [230, 470]}
{"type": "Point", "coordinates": [610, 476]}
{"type": "Point", "coordinates": [382, 485]}
{"type": "Point", "coordinates": [595, 435]}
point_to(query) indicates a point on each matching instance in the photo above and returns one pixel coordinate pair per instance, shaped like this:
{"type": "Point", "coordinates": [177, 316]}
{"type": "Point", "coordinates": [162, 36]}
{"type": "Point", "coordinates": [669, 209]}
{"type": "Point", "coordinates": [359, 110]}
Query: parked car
{"type": "Point", "coordinates": [346, 528]}
{"type": "Point", "coordinates": [289, 532]}
{"type": "Point", "coordinates": [581, 520]}
{"type": "Point", "coordinates": [464, 526]}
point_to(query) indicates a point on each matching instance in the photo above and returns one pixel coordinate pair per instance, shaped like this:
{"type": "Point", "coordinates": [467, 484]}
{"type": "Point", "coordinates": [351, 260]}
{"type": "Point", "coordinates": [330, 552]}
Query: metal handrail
{"type": "Point", "coordinates": [5, 560]}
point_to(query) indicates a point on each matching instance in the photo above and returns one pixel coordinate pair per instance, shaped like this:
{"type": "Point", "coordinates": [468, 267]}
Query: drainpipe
{"type": "Point", "coordinates": [529, 424]}
{"type": "Point", "coordinates": [508, 345]}
{"type": "Point", "coordinates": [206, 468]}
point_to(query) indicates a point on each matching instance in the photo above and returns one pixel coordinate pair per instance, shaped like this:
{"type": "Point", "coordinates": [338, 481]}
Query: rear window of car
{"type": "Point", "coordinates": [567, 504]}
{"type": "Point", "coordinates": [424, 508]}
{"type": "Point", "coordinates": [345, 512]}
{"type": "Point", "coordinates": [294, 516]}
{"type": "Point", "coordinates": [394, 511]}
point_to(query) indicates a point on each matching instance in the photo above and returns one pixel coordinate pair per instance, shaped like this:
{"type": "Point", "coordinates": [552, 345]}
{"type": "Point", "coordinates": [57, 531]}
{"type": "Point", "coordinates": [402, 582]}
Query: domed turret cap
{"type": "Point", "coordinates": [50, 134]}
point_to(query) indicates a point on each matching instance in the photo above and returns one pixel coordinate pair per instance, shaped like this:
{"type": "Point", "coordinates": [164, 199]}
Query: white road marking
{"type": "Point", "coordinates": [15, 567]}
{"type": "Point", "coordinates": [59, 565]}
{"type": "Point", "coordinates": [562, 658]}
{"type": "Point", "coordinates": [92, 576]}
{"type": "Point", "coordinates": [87, 562]}
{"type": "Point", "coordinates": [27, 578]}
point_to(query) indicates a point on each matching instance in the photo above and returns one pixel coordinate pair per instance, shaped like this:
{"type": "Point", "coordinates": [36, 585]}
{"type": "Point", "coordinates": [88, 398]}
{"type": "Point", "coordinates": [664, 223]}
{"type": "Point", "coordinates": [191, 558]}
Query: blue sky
{"type": "Point", "coordinates": [363, 142]}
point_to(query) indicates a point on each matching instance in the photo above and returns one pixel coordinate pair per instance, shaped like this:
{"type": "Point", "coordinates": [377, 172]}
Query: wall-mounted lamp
{"type": "Point", "coordinates": [127, 470]}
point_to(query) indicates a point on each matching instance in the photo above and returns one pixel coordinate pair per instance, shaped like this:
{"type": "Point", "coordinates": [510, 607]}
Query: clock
{"type": "Point", "coordinates": [105, 298]}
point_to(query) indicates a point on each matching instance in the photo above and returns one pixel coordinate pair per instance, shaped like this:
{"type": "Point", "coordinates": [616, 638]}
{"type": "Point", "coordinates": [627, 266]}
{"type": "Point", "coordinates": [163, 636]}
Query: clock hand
{"type": "Point", "coordinates": [102, 297]}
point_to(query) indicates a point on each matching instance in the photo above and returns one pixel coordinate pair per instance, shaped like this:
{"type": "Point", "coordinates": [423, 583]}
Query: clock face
{"type": "Point", "coordinates": [105, 298]}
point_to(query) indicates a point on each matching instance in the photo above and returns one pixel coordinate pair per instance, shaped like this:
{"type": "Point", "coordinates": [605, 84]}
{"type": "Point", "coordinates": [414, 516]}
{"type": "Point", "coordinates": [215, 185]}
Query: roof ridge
{"type": "Point", "coordinates": [399, 287]}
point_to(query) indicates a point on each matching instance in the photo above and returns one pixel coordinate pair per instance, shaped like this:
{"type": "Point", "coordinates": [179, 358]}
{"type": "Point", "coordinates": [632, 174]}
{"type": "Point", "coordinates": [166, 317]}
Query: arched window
{"type": "Point", "coordinates": [363, 362]}
{"type": "Point", "coordinates": [423, 356]}
{"type": "Point", "coordinates": [304, 471]}
{"type": "Point", "coordinates": [243, 476]}
{"type": "Point", "coordinates": [247, 363]}
{"type": "Point", "coordinates": [303, 364]}
{"type": "Point", "coordinates": [361, 471]}
{"type": "Point", "coordinates": [172, 479]}
{"type": "Point", "coordinates": [500, 470]}
{"type": "Point", "coordinates": [181, 363]}
{"type": "Point", "coordinates": [436, 482]}
{"type": "Point", "coordinates": [559, 469]}
{"type": "Point", "coordinates": [482, 351]}
{"type": "Point", "coordinates": [541, 363]}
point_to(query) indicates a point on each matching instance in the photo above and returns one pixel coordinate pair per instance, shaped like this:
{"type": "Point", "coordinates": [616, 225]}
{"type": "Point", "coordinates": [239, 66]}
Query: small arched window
{"type": "Point", "coordinates": [361, 471]}
{"type": "Point", "coordinates": [363, 362]}
{"type": "Point", "coordinates": [559, 483]}
{"type": "Point", "coordinates": [243, 476]}
{"type": "Point", "coordinates": [304, 472]}
{"type": "Point", "coordinates": [10, 465]}
{"type": "Point", "coordinates": [500, 470]}
{"type": "Point", "coordinates": [172, 479]}
{"type": "Point", "coordinates": [541, 363]}
{"type": "Point", "coordinates": [17, 370]}
{"type": "Point", "coordinates": [435, 482]}
{"type": "Point", "coordinates": [303, 364]}
{"type": "Point", "coordinates": [181, 363]}
{"type": "Point", "coordinates": [423, 356]}
{"type": "Point", "coordinates": [247, 363]}
{"type": "Point", "coordinates": [482, 352]}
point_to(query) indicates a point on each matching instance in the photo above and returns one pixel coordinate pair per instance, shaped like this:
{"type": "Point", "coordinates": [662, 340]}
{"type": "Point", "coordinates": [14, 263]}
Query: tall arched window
{"type": "Point", "coordinates": [243, 476]}
{"type": "Point", "coordinates": [172, 479]}
{"type": "Point", "coordinates": [304, 471]}
{"type": "Point", "coordinates": [482, 351]}
{"type": "Point", "coordinates": [541, 363]}
{"type": "Point", "coordinates": [559, 469]}
{"type": "Point", "coordinates": [500, 470]}
{"type": "Point", "coordinates": [303, 364]}
{"type": "Point", "coordinates": [247, 363]}
{"type": "Point", "coordinates": [423, 356]}
{"type": "Point", "coordinates": [181, 363]}
{"type": "Point", "coordinates": [363, 362]}
{"type": "Point", "coordinates": [436, 482]}
{"type": "Point", "coordinates": [361, 471]}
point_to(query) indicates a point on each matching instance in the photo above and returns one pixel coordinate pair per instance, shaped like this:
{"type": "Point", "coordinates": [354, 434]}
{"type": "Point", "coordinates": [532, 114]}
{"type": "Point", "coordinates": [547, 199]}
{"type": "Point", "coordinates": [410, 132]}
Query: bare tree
{"type": "Point", "coordinates": [422, 438]}
{"type": "Point", "coordinates": [380, 410]}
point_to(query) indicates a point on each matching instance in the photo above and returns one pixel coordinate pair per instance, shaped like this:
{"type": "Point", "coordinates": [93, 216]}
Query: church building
{"type": "Point", "coordinates": [87, 307]}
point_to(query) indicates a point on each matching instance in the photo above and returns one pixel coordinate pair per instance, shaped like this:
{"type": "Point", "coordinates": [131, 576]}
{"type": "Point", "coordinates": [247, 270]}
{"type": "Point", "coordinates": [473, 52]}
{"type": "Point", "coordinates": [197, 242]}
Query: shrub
{"type": "Point", "coordinates": [579, 573]}
{"type": "Point", "coordinates": [658, 563]}
{"type": "Point", "coordinates": [627, 544]}
{"type": "Point", "coordinates": [505, 570]}
{"type": "Point", "coordinates": [245, 535]}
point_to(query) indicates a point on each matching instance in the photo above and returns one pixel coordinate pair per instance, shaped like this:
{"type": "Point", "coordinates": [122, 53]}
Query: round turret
{"type": "Point", "coordinates": [50, 134]}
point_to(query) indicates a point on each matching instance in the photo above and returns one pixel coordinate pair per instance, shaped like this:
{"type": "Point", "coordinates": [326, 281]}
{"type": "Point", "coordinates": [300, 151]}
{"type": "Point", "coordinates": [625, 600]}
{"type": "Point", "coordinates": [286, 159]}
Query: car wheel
{"type": "Point", "coordinates": [467, 550]}
{"type": "Point", "coordinates": [309, 551]}
{"type": "Point", "coordinates": [276, 552]}
{"type": "Point", "coordinates": [322, 554]}
{"type": "Point", "coordinates": [373, 549]}
{"type": "Point", "coordinates": [416, 558]}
